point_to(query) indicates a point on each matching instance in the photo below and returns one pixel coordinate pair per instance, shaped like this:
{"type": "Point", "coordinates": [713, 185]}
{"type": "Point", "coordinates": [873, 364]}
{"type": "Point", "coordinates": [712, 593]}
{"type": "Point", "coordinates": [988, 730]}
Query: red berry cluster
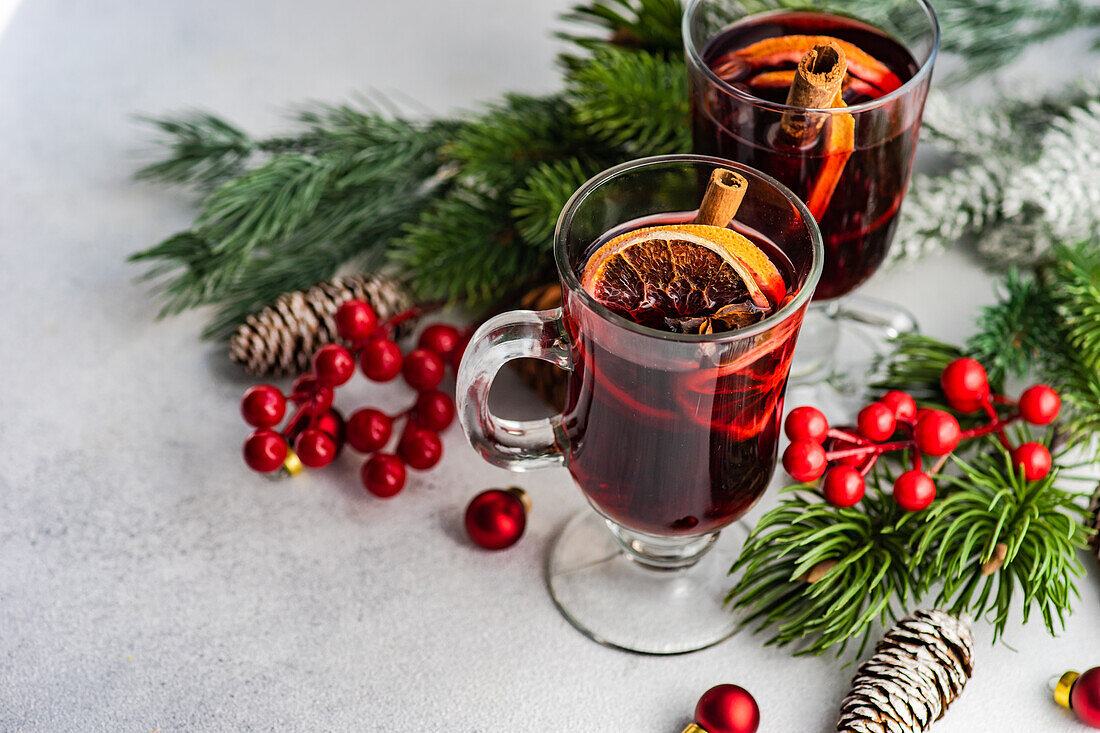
{"type": "Point", "coordinates": [318, 432]}
{"type": "Point", "coordinates": [845, 457]}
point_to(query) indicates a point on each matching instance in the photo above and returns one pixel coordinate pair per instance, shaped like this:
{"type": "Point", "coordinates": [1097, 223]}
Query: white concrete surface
{"type": "Point", "coordinates": [149, 582]}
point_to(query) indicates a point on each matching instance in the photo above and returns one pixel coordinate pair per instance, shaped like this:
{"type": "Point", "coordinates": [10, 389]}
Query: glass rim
{"type": "Point", "coordinates": [804, 294]}
{"type": "Point", "coordinates": [923, 72]}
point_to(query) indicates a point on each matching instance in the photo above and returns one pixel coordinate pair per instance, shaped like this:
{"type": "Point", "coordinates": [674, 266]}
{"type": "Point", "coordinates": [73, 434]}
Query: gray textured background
{"type": "Point", "coordinates": [148, 581]}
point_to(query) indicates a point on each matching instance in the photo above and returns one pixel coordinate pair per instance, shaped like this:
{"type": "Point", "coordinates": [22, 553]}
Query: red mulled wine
{"type": "Point", "coordinates": [853, 180]}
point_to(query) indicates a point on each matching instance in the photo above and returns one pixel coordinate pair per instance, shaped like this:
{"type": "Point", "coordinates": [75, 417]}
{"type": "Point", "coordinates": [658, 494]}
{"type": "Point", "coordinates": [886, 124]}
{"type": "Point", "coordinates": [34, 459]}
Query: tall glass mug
{"type": "Point", "coordinates": [849, 163]}
{"type": "Point", "coordinates": [670, 437]}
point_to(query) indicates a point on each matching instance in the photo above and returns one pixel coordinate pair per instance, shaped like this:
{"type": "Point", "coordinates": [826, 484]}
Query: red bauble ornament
{"type": "Point", "coordinates": [1081, 694]}
{"type": "Point", "coordinates": [843, 486]}
{"type": "Point", "coordinates": [420, 448]}
{"type": "Point", "coordinates": [369, 430]}
{"type": "Point", "coordinates": [355, 321]}
{"type": "Point", "coordinates": [903, 405]}
{"type": "Point", "coordinates": [264, 451]}
{"type": "Point", "coordinates": [440, 338]}
{"type": "Point", "coordinates": [380, 359]}
{"type": "Point", "coordinates": [315, 448]}
{"type": "Point", "coordinates": [727, 709]}
{"type": "Point", "coordinates": [876, 422]}
{"type": "Point", "coordinates": [1034, 458]}
{"type": "Point", "coordinates": [806, 423]}
{"type": "Point", "coordinates": [966, 385]}
{"type": "Point", "coordinates": [423, 370]}
{"type": "Point", "coordinates": [434, 410]}
{"type": "Point", "coordinates": [937, 433]}
{"type": "Point", "coordinates": [333, 365]}
{"type": "Point", "coordinates": [914, 490]}
{"type": "Point", "coordinates": [804, 460]}
{"type": "Point", "coordinates": [383, 475]}
{"type": "Point", "coordinates": [1040, 404]}
{"type": "Point", "coordinates": [495, 519]}
{"type": "Point", "coordinates": [263, 406]}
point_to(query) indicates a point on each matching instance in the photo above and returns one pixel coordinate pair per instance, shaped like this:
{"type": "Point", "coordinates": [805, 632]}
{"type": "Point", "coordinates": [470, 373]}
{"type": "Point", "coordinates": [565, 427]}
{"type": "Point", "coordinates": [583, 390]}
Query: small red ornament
{"type": "Point", "coordinates": [369, 430]}
{"type": "Point", "coordinates": [903, 405]}
{"type": "Point", "coordinates": [333, 365]}
{"type": "Point", "coordinates": [423, 370]}
{"type": "Point", "coordinates": [1040, 405]}
{"type": "Point", "coordinates": [434, 410]}
{"type": "Point", "coordinates": [315, 448]}
{"type": "Point", "coordinates": [440, 338]}
{"type": "Point", "coordinates": [264, 451]}
{"type": "Point", "coordinates": [263, 406]}
{"type": "Point", "coordinates": [876, 421]}
{"type": "Point", "coordinates": [1034, 458]}
{"type": "Point", "coordinates": [726, 709]}
{"type": "Point", "coordinates": [1081, 694]}
{"type": "Point", "coordinates": [383, 475]}
{"type": "Point", "coordinates": [495, 519]}
{"type": "Point", "coordinates": [355, 321]}
{"type": "Point", "coordinates": [937, 433]}
{"type": "Point", "coordinates": [965, 384]}
{"type": "Point", "coordinates": [914, 490]}
{"type": "Point", "coordinates": [806, 423]}
{"type": "Point", "coordinates": [804, 460]}
{"type": "Point", "coordinates": [380, 359]}
{"type": "Point", "coordinates": [420, 448]}
{"type": "Point", "coordinates": [843, 486]}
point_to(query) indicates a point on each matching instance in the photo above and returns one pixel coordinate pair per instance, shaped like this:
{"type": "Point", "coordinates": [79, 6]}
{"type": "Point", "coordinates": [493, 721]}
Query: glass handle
{"type": "Point", "coordinates": [519, 445]}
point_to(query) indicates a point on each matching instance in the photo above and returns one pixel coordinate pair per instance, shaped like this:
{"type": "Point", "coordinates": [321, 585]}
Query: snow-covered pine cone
{"type": "Point", "coordinates": [1094, 523]}
{"type": "Point", "coordinates": [917, 669]}
{"type": "Point", "coordinates": [281, 338]}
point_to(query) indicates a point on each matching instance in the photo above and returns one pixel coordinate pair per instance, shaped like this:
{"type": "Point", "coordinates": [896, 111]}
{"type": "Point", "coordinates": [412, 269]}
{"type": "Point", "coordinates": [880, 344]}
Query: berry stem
{"type": "Point", "coordinates": [845, 436]}
{"type": "Point", "coordinates": [870, 448]}
{"type": "Point", "coordinates": [302, 408]}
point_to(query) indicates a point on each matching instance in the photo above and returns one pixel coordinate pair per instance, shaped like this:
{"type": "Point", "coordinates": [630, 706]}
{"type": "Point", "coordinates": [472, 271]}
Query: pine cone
{"type": "Point", "coordinates": [547, 380]}
{"type": "Point", "coordinates": [918, 668]}
{"type": "Point", "coordinates": [282, 338]}
{"type": "Point", "coordinates": [1094, 523]}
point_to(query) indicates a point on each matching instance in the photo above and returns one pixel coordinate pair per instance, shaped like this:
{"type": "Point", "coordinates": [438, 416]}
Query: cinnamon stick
{"type": "Point", "coordinates": [817, 80]}
{"type": "Point", "coordinates": [723, 197]}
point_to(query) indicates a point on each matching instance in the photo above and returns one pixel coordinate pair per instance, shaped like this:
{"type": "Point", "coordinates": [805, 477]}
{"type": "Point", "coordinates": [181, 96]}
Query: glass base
{"type": "Point", "coordinates": [605, 581]}
{"type": "Point", "coordinates": [840, 339]}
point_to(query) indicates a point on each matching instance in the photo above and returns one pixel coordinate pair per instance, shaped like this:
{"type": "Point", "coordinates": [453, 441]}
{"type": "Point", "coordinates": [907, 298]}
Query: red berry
{"type": "Point", "coordinates": [380, 359]}
{"type": "Point", "coordinates": [460, 349]}
{"type": "Point", "coordinates": [914, 490]}
{"type": "Point", "coordinates": [421, 448]}
{"type": "Point", "coordinates": [333, 365]}
{"type": "Point", "coordinates": [264, 451]}
{"type": "Point", "coordinates": [423, 370]}
{"type": "Point", "coordinates": [321, 402]}
{"type": "Point", "coordinates": [966, 385]}
{"type": "Point", "coordinates": [263, 406]}
{"type": "Point", "coordinates": [876, 422]}
{"type": "Point", "coordinates": [903, 405]}
{"type": "Point", "coordinates": [303, 386]}
{"type": "Point", "coordinates": [1034, 458]}
{"type": "Point", "coordinates": [315, 448]}
{"type": "Point", "coordinates": [440, 338]}
{"type": "Point", "coordinates": [383, 475]}
{"type": "Point", "coordinates": [495, 519]}
{"type": "Point", "coordinates": [355, 321]}
{"type": "Point", "coordinates": [843, 486]}
{"type": "Point", "coordinates": [1040, 404]}
{"type": "Point", "coordinates": [332, 422]}
{"type": "Point", "coordinates": [804, 460]}
{"type": "Point", "coordinates": [806, 423]}
{"type": "Point", "coordinates": [369, 430]}
{"type": "Point", "coordinates": [434, 410]}
{"type": "Point", "coordinates": [937, 433]}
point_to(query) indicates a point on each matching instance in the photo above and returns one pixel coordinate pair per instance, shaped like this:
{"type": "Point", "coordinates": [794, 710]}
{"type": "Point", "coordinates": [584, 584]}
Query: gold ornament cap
{"type": "Point", "coordinates": [693, 728]}
{"type": "Point", "coordinates": [1064, 687]}
{"type": "Point", "coordinates": [292, 464]}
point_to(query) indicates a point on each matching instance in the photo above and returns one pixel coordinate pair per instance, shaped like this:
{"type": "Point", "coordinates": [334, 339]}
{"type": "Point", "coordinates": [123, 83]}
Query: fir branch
{"type": "Point", "coordinates": [202, 149]}
{"type": "Point", "coordinates": [869, 581]}
{"type": "Point", "coordinates": [1014, 333]}
{"type": "Point", "coordinates": [537, 203]}
{"type": "Point", "coordinates": [652, 26]}
{"type": "Point", "coordinates": [638, 102]}
{"type": "Point", "coordinates": [989, 504]}
{"type": "Point", "coordinates": [914, 365]}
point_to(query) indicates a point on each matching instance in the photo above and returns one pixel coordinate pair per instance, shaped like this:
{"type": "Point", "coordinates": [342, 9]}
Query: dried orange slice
{"type": "Point", "coordinates": [686, 277]}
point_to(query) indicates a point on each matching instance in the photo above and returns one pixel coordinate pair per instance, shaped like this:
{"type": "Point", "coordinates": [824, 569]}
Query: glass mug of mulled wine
{"type": "Point", "coordinates": [826, 98]}
{"type": "Point", "coordinates": [677, 327]}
